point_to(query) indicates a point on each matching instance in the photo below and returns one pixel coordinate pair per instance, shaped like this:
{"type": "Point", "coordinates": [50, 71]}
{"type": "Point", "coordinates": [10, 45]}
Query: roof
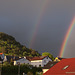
{"type": "Point", "coordinates": [35, 58]}
{"type": "Point", "coordinates": [17, 59]}
{"type": "Point", "coordinates": [49, 65]}
{"type": "Point", "coordinates": [65, 66]}
{"type": "Point", "coordinates": [61, 58]}
{"type": "Point", "coordinates": [1, 53]}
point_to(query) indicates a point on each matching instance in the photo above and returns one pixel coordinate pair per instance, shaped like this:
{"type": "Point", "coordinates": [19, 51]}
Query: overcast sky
{"type": "Point", "coordinates": [39, 24]}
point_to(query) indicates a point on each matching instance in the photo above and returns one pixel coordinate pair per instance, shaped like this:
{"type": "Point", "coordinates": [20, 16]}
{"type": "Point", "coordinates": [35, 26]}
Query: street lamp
{"type": "Point", "coordinates": [2, 65]}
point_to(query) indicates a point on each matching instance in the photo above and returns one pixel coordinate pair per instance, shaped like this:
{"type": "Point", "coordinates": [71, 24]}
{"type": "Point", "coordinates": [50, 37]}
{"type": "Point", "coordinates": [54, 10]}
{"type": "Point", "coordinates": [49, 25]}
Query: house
{"type": "Point", "coordinates": [21, 60]}
{"type": "Point", "coordinates": [40, 61]}
{"type": "Point", "coordinates": [64, 67]}
{"type": "Point", "coordinates": [48, 66]}
{"type": "Point", "coordinates": [8, 58]}
{"type": "Point", "coordinates": [1, 57]}
{"type": "Point", "coordinates": [57, 59]}
{"type": "Point", "coordinates": [16, 60]}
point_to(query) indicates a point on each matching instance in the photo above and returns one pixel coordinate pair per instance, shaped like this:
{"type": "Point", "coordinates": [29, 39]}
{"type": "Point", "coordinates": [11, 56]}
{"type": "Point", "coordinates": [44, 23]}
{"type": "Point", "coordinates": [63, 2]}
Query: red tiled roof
{"type": "Point", "coordinates": [64, 67]}
{"type": "Point", "coordinates": [1, 53]}
{"type": "Point", "coordinates": [35, 58]}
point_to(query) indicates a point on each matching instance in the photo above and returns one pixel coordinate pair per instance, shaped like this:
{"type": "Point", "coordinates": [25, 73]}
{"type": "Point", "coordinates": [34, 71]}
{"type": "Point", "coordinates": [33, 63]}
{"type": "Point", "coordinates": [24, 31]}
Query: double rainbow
{"type": "Point", "coordinates": [37, 23]}
{"type": "Point", "coordinates": [67, 37]}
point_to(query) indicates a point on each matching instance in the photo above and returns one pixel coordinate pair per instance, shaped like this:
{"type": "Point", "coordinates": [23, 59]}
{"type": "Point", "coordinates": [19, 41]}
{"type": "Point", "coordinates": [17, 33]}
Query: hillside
{"type": "Point", "coordinates": [9, 46]}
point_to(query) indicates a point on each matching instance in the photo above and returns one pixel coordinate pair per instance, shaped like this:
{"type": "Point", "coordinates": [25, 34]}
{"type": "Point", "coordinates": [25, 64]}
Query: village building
{"type": "Point", "coordinates": [48, 66]}
{"type": "Point", "coordinates": [64, 67]}
{"type": "Point", "coordinates": [57, 59]}
{"type": "Point", "coordinates": [21, 60]}
{"type": "Point", "coordinates": [40, 61]}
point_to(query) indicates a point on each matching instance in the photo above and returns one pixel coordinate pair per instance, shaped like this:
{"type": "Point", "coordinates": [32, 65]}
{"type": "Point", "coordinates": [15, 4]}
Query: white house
{"type": "Point", "coordinates": [21, 61]}
{"type": "Point", "coordinates": [39, 61]}
{"type": "Point", "coordinates": [1, 57]}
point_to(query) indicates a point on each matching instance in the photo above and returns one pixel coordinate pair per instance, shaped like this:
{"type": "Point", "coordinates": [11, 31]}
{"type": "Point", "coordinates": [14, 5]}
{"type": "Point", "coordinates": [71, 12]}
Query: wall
{"type": "Point", "coordinates": [45, 70]}
{"type": "Point", "coordinates": [42, 62]}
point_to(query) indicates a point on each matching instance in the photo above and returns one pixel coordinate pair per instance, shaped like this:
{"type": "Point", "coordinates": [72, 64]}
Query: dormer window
{"type": "Point", "coordinates": [65, 67]}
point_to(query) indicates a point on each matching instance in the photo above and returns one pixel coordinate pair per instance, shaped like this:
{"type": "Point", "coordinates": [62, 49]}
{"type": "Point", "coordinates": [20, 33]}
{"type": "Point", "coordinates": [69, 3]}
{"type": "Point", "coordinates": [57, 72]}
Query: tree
{"type": "Point", "coordinates": [8, 45]}
{"type": "Point", "coordinates": [29, 73]}
{"type": "Point", "coordinates": [48, 54]}
{"type": "Point", "coordinates": [25, 53]}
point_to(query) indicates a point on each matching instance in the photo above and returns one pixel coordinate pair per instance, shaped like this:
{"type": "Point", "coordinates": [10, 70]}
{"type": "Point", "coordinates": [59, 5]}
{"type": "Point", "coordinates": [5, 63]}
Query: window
{"type": "Point", "coordinates": [44, 61]}
{"type": "Point", "coordinates": [39, 65]}
{"type": "Point", "coordinates": [56, 59]}
{"type": "Point", "coordinates": [65, 67]}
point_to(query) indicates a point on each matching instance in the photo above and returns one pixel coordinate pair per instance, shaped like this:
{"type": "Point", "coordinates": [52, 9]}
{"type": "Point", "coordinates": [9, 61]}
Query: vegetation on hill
{"type": "Point", "coordinates": [9, 46]}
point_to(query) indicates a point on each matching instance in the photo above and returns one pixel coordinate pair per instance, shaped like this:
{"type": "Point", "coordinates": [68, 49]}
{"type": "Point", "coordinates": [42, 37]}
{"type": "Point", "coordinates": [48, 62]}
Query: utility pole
{"type": "Point", "coordinates": [0, 69]}
{"type": "Point", "coordinates": [18, 68]}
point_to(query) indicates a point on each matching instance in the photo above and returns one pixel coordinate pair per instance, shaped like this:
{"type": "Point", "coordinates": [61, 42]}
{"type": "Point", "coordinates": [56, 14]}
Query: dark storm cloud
{"type": "Point", "coordinates": [18, 18]}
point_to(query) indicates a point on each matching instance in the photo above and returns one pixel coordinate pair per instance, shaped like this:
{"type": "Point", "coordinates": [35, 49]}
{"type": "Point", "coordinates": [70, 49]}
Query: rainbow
{"type": "Point", "coordinates": [67, 38]}
{"type": "Point", "coordinates": [37, 23]}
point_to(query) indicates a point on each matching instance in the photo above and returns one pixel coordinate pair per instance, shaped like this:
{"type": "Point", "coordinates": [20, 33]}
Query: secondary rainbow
{"type": "Point", "coordinates": [67, 38]}
{"type": "Point", "coordinates": [37, 23]}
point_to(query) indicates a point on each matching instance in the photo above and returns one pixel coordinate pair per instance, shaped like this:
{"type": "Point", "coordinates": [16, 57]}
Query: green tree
{"type": "Point", "coordinates": [29, 73]}
{"type": "Point", "coordinates": [25, 53]}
